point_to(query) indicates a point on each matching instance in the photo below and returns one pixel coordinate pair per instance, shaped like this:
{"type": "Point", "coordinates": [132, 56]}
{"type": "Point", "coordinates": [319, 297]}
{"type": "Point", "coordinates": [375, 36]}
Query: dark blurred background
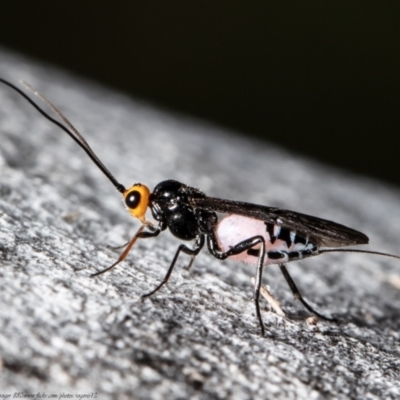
{"type": "Point", "coordinates": [319, 77]}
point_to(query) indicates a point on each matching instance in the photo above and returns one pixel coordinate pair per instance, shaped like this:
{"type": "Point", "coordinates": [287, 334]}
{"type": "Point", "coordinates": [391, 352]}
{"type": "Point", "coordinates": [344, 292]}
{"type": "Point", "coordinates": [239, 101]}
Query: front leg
{"type": "Point", "coordinates": [245, 245]}
{"type": "Point", "coordinates": [154, 231]}
{"type": "Point", "coordinates": [140, 234]}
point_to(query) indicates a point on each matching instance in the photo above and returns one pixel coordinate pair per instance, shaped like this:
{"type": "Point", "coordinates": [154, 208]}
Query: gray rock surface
{"type": "Point", "coordinates": [63, 332]}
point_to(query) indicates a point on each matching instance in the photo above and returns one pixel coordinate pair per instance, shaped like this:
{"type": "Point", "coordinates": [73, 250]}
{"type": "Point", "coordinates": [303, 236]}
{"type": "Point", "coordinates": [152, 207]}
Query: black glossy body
{"type": "Point", "coordinates": [170, 204]}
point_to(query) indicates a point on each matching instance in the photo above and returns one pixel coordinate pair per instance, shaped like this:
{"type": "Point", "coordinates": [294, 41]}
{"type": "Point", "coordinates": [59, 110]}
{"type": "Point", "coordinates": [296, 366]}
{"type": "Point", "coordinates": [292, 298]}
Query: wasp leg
{"type": "Point", "coordinates": [247, 244]}
{"type": "Point", "coordinates": [141, 236]}
{"type": "Point", "coordinates": [118, 247]}
{"type": "Point", "coordinates": [193, 257]}
{"type": "Point", "coordinates": [272, 301]}
{"type": "Point", "coordinates": [192, 252]}
{"type": "Point", "coordinates": [138, 235]}
{"type": "Point", "coordinates": [190, 262]}
{"type": "Point", "coordinates": [297, 295]}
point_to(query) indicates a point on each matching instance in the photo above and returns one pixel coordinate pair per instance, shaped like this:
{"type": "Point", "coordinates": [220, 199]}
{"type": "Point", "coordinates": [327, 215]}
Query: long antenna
{"type": "Point", "coordinates": [72, 131]}
{"type": "Point", "coordinates": [378, 253]}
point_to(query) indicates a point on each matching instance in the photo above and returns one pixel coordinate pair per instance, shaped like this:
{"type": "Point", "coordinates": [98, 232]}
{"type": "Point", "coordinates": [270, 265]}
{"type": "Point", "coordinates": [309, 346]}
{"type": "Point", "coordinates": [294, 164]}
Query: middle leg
{"type": "Point", "coordinates": [182, 248]}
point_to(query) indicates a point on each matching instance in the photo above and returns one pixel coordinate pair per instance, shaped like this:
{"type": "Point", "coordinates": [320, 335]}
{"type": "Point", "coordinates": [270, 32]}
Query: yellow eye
{"type": "Point", "coordinates": [137, 200]}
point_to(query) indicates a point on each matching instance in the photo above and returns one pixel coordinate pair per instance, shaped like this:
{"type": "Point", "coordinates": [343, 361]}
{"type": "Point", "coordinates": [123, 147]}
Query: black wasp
{"type": "Point", "coordinates": [256, 234]}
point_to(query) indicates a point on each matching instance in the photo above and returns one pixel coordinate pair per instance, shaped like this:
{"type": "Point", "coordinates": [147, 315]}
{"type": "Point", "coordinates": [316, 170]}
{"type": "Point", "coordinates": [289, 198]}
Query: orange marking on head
{"type": "Point", "coordinates": [137, 200]}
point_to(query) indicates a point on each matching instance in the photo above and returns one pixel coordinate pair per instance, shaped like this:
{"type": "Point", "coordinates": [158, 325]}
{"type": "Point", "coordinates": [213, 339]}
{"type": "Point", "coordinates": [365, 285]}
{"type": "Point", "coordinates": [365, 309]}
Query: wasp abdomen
{"type": "Point", "coordinates": [281, 244]}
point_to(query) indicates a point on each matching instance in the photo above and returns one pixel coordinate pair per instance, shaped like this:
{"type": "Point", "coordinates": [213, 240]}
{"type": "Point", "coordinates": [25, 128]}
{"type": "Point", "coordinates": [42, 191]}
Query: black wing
{"type": "Point", "coordinates": [319, 231]}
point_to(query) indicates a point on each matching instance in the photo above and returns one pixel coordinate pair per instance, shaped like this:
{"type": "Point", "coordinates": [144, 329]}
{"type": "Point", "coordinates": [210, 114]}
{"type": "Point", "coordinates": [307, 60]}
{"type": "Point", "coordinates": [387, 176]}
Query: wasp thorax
{"type": "Point", "coordinates": [137, 200]}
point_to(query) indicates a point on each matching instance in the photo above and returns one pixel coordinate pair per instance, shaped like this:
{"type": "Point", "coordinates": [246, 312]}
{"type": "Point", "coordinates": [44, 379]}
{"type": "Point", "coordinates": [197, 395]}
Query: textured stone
{"type": "Point", "coordinates": [64, 332]}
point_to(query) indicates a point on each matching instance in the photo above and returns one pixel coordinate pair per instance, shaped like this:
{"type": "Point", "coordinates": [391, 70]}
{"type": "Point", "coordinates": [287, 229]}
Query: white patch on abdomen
{"type": "Point", "coordinates": [234, 229]}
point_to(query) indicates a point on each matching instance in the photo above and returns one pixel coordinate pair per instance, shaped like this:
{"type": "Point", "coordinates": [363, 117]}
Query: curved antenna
{"type": "Point", "coordinates": [72, 131]}
{"type": "Point", "coordinates": [378, 253]}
